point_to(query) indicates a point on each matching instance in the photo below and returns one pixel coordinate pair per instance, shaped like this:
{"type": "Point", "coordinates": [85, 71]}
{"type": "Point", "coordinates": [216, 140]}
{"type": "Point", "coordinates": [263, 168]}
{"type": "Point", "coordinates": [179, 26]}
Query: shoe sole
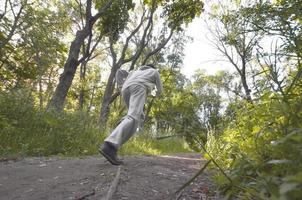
{"type": "Point", "coordinates": [109, 158]}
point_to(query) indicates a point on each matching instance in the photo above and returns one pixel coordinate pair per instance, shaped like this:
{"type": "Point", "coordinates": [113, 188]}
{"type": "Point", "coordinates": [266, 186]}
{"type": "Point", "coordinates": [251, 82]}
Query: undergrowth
{"type": "Point", "coordinates": [144, 144]}
{"type": "Point", "coordinates": [27, 131]}
{"type": "Point", "coordinates": [260, 151]}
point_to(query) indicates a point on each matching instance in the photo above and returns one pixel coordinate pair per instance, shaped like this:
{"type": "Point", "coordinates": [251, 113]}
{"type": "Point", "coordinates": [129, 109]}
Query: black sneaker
{"type": "Point", "coordinates": [109, 152]}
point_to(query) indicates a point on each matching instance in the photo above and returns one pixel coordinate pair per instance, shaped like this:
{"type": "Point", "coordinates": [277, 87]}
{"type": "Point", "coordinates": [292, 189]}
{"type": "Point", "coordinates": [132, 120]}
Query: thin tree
{"type": "Point", "coordinates": [73, 60]}
{"type": "Point", "coordinates": [232, 38]}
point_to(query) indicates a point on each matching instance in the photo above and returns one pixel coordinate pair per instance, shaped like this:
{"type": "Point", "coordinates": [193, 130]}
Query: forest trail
{"type": "Point", "coordinates": [141, 177]}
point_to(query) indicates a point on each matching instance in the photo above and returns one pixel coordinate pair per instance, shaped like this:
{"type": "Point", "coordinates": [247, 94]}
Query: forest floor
{"type": "Point", "coordinates": [140, 178]}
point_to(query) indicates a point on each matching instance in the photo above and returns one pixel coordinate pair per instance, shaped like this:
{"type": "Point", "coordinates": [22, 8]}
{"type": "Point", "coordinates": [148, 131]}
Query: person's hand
{"type": "Point", "coordinates": [153, 92]}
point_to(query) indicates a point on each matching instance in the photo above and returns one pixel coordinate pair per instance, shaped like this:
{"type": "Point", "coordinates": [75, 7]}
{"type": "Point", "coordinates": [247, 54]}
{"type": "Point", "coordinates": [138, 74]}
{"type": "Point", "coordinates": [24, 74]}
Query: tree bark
{"type": "Point", "coordinates": [70, 66]}
{"type": "Point", "coordinates": [246, 89]}
{"type": "Point", "coordinates": [105, 108]}
{"type": "Point", "coordinates": [158, 48]}
{"type": "Point", "coordinates": [82, 82]}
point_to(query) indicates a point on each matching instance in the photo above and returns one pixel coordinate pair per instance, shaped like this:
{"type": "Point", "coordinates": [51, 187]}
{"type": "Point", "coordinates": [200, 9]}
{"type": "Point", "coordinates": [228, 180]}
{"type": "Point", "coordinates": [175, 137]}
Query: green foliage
{"type": "Point", "coordinates": [261, 150]}
{"type": "Point", "coordinates": [175, 111]}
{"type": "Point", "coordinates": [207, 89]}
{"type": "Point", "coordinates": [259, 145]}
{"type": "Point", "coordinates": [38, 47]}
{"type": "Point", "coordinates": [115, 18]}
{"type": "Point", "coordinates": [282, 18]}
{"type": "Point", "coordinates": [27, 131]}
{"type": "Point", "coordinates": [181, 12]}
{"type": "Point", "coordinates": [145, 144]}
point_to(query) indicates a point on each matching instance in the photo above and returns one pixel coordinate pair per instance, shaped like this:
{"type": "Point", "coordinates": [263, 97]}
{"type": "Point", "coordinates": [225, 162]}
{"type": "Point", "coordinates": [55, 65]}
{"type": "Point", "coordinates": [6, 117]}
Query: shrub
{"type": "Point", "coordinates": [26, 130]}
{"type": "Point", "coordinates": [144, 143]}
{"type": "Point", "coordinates": [261, 150]}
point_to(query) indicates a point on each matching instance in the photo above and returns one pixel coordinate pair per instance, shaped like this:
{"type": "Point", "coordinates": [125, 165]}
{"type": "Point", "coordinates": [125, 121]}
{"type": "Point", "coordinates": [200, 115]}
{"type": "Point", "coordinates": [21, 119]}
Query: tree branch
{"type": "Point", "coordinates": [160, 46]}
{"type": "Point", "coordinates": [122, 58]}
{"type": "Point", "coordinates": [14, 26]}
{"type": "Point", "coordinates": [5, 10]}
{"type": "Point", "coordinates": [143, 42]}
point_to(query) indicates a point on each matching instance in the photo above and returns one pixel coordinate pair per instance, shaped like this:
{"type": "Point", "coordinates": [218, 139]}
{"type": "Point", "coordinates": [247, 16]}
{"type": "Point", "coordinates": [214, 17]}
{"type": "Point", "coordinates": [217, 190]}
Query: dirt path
{"type": "Point", "coordinates": [142, 177]}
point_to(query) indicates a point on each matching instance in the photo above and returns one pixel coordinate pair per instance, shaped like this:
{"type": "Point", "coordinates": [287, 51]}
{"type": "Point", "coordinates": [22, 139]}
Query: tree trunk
{"type": "Point", "coordinates": [70, 67]}
{"type": "Point", "coordinates": [107, 99]}
{"type": "Point", "coordinates": [246, 89]}
{"type": "Point", "coordinates": [40, 94]}
{"type": "Point", "coordinates": [82, 82]}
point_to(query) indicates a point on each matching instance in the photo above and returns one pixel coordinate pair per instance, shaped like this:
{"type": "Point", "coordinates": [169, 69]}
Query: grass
{"type": "Point", "coordinates": [27, 131]}
{"type": "Point", "coordinates": [65, 138]}
{"type": "Point", "coordinates": [146, 145]}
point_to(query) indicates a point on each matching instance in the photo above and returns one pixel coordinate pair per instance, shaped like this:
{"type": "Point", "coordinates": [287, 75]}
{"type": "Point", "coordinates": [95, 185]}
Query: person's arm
{"type": "Point", "coordinates": [158, 84]}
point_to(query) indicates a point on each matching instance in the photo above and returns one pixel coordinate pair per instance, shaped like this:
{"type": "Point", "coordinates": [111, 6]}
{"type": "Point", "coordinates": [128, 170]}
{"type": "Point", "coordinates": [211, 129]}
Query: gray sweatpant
{"type": "Point", "coordinates": [134, 97]}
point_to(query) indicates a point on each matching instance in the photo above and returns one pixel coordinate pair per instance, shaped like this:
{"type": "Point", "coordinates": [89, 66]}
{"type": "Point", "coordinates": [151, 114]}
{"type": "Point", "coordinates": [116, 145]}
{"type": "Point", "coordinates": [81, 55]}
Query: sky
{"type": "Point", "coordinates": [200, 54]}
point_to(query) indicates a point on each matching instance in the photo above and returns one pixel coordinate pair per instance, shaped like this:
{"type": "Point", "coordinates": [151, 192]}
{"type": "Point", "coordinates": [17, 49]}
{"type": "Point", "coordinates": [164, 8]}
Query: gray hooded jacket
{"type": "Point", "coordinates": [145, 76]}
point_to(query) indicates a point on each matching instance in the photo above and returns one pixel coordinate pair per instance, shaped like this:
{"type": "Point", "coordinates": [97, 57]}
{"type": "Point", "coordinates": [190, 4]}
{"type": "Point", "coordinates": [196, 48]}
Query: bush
{"type": "Point", "coordinates": [27, 131]}
{"type": "Point", "coordinates": [261, 150]}
{"type": "Point", "coordinates": [144, 143]}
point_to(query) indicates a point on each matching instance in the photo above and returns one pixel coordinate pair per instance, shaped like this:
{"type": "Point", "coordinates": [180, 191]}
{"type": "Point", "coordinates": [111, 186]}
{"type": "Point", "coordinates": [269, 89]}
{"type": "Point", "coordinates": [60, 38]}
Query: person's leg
{"type": "Point", "coordinates": [127, 127]}
{"type": "Point", "coordinates": [120, 134]}
{"type": "Point", "coordinates": [135, 99]}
